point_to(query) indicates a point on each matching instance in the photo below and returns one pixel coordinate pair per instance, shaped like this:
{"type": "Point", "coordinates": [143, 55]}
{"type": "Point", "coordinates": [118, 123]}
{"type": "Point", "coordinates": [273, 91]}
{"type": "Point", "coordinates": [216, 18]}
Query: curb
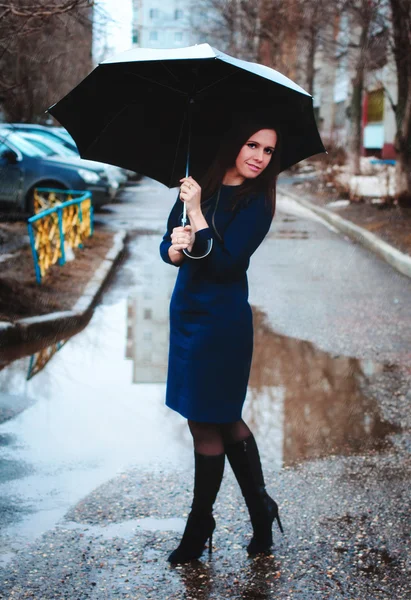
{"type": "Point", "coordinates": [399, 260]}
{"type": "Point", "coordinates": [55, 326]}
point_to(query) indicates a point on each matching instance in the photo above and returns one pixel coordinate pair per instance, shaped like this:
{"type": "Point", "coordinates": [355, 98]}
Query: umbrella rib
{"type": "Point", "coordinates": [215, 82]}
{"type": "Point", "coordinates": [178, 147]}
{"type": "Point", "coordinates": [157, 83]}
{"type": "Point", "coordinates": [170, 71]}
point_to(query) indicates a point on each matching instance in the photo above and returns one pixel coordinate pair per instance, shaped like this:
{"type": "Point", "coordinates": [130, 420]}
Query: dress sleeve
{"type": "Point", "coordinates": [230, 258]}
{"type": "Point", "coordinates": [173, 221]}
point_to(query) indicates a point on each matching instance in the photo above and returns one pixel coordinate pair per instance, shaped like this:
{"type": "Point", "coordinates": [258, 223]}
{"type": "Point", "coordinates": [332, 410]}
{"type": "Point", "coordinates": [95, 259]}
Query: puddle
{"type": "Point", "coordinates": [288, 234]}
{"type": "Point", "coordinates": [317, 400]}
{"type": "Point", "coordinates": [94, 406]}
{"type": "Point", "coordinates": [306, 403]}
{"type": "Point", "coordinates": [127, 529]}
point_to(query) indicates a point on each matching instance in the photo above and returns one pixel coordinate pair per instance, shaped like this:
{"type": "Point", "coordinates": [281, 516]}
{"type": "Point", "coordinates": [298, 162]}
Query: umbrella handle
{"type": "Point", "coordinates": [184, 217]}
{"type": "Point", "coordinates": [209, 246]}
{"type": "Point", "coordinates": [189, 118]}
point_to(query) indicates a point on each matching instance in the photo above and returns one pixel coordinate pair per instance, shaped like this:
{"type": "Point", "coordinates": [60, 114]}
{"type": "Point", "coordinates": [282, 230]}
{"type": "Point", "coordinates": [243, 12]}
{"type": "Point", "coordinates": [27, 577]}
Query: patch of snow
{"type": "Point", "coordinates": [68, 251]}
{"type": "Point", "coordinates": [374, 186]}
{"type": "Point", "coordinates": [338, 204]}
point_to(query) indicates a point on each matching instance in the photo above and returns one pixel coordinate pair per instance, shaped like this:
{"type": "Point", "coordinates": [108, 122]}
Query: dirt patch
{"type": "Point", "coordinates": [391, 223]}
{"type": "Point", "coordinates": [20, 294]}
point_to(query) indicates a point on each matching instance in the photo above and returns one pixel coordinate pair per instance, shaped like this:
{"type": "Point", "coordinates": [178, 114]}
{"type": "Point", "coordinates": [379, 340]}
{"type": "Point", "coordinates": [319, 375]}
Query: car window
{"type": "Point", "coordinates": [52, 147]}
{"type": "Point", "coordinates": [63, 150]}
{"type": "Point", "coordinates": [46, 149]}
{"type": "Point", "coordinates": [3, 147]}
{"type": "Point", "coordinates": [23, 145]}
{"type": "Point", "coordinates": [66, 135]}
{"type": "Point", "coordinates": [50, 136]}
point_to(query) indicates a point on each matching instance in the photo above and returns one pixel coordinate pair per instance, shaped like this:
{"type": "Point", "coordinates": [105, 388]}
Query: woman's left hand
{"type": "Point", "coordinates": [190, 194]}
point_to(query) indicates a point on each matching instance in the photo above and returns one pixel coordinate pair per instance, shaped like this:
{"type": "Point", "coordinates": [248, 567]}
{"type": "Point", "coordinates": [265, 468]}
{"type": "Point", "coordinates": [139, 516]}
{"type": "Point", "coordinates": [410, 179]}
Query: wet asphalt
{"type": "Point", "coordinates": [96, 473]}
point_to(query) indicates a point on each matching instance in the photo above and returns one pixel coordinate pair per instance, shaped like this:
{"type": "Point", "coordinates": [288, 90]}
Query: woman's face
{"type": "Point", "coordinates": [256, 153]}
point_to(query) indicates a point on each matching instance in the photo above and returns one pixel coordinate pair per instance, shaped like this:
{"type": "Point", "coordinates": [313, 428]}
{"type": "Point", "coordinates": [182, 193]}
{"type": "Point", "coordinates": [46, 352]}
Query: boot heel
{"type": "Point", "coordinates": [279, 523]}
{"type": "Point", "coordinates": [210, 544]}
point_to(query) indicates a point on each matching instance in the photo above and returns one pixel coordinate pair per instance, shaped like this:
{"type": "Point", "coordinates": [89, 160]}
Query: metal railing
{"type": "Point", "coordinates": [57, 224]}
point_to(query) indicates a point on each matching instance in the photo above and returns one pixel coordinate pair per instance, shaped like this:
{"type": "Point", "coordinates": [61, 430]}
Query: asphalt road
{"type": "Point", "coordinates": [96, 473]}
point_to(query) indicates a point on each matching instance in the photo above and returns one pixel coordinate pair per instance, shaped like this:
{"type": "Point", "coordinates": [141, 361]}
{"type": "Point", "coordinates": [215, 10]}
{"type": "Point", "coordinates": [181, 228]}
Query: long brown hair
{"type": "Point", "coordinates": [230, 146]}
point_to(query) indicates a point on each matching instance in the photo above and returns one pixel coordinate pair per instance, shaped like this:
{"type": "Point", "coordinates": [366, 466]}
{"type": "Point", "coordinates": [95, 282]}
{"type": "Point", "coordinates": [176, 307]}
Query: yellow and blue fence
{"type": "Point", "coordinates": [62, 217]}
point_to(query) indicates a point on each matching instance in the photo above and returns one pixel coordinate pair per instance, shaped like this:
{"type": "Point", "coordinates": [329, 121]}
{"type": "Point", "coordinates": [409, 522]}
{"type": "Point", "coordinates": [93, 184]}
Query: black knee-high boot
{"type": "Point", "coordinates": [208, 474]}
{"type": "Point", "coordinates": [245, 461]}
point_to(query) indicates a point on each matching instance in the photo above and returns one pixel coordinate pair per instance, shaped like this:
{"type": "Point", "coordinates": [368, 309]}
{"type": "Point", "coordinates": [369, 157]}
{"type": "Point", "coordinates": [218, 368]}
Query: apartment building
{"type": "Point", "coordinates": [163, 24]}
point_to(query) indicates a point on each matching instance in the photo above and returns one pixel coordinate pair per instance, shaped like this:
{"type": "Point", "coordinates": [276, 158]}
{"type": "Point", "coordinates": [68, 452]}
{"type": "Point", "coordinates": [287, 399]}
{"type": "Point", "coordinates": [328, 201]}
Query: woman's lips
{"type": "Point", "coordinates": [254, 168]}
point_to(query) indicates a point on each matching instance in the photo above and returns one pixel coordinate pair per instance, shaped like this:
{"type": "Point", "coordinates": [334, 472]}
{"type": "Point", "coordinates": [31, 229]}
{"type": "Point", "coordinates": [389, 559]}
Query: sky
{"type": "Point", "coordinates": [115, 35]}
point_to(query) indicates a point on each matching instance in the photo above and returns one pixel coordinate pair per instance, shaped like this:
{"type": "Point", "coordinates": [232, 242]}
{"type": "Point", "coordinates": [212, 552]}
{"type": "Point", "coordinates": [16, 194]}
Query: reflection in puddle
{"type": "Point", "coordinates": [317, 398]}
{"type": "Point", "coordinates": [40, 359]}
{"type": "Point", "coordinates": [147, 330]}
{"type": "Point", "coordinates": [304, 402]}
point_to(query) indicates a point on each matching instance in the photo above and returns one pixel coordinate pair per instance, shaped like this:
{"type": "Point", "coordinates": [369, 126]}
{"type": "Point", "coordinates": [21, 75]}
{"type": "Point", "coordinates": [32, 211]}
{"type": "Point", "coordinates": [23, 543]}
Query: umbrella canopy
{"type": "Point", "coordinates": [143, 109]}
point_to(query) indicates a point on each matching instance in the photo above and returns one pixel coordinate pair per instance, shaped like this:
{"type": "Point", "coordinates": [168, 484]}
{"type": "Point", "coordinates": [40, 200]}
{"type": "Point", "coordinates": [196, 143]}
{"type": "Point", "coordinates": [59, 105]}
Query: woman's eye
{"type": "Point", "coordinates": [269, 150]}
{"type": "Point", "coordinates": [251, 145]}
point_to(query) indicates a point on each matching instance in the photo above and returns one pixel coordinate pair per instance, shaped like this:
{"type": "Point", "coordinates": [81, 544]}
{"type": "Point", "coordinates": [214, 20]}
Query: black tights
{"type": "Point", "coordinates": [210, 438]}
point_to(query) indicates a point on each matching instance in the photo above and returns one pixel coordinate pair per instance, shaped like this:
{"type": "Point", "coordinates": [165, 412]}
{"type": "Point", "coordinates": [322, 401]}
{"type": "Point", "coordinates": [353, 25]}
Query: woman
{"type": "Point", "coordinates": [211, 331]}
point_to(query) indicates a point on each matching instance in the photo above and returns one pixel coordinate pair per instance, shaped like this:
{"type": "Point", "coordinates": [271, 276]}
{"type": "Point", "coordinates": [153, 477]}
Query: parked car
{"type": "Point", "coordinates": [126, 173]}
{"type": "Point", "coordinates": [51, 148]}
{"type": "Point", "coordinates": [48, 132]}
{"type": "Point", "coordinates": [61, 136]}
{"type": "Point", "coordinates": [24, 167]}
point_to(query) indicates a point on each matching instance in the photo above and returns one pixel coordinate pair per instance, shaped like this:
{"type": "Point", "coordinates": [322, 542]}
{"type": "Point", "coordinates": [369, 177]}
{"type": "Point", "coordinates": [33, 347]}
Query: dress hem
{"type": "Point", "coordinates": [185, 416]}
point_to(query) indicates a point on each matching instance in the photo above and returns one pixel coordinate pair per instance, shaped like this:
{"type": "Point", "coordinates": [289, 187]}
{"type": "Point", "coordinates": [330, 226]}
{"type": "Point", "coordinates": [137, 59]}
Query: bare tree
{"type": "Point", "coordinates": [401, 30]}
{"type": "Point", "coordinates": [232, 25]}
{"type": "Point", "coordinates": [364, 18]}
{"type": "Point", "coordinates": [261, 30]}
{"type": "Point", "coordinates": [317, 20]}
{"type": "Point", "coordinates": [45, 49]}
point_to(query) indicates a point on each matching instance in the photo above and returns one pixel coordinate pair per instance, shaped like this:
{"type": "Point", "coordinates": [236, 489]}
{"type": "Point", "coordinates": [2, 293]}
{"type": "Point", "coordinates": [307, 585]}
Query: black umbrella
{"type": "Point", "coordinates": [162, 112]}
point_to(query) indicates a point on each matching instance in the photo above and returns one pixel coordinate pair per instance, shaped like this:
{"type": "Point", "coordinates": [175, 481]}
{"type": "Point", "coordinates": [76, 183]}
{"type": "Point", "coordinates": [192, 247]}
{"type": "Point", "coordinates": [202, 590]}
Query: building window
{"type": "Point", "coordinates": [153, 36]}
{"type": "Point", "coordinates": [135, 37]}
{"type": "Point", "coordinates": [147, 313]}
{"type": "Point", "coordinates": [147, 335]}
{"type": "Point", "coordinates": [178, 36]}
{"type": "Point", "coordinates": [154, 13]}
{"type": "Point", "coordinates": [178, 14]}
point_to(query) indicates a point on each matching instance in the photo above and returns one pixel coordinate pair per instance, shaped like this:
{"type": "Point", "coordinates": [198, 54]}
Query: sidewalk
{"type": "Point", "coordinates": [61, 302]}
{"type": "Point", "coordinates": [385, 231]}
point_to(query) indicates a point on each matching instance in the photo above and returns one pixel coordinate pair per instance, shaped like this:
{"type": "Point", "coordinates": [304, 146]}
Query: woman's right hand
{"type": "Point", "coordinates": [182, 237]}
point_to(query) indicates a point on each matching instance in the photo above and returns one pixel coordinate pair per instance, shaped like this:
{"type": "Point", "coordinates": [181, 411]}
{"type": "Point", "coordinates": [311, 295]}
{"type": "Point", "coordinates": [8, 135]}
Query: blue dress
{"type": "Point", "coordinates": [211, 327]}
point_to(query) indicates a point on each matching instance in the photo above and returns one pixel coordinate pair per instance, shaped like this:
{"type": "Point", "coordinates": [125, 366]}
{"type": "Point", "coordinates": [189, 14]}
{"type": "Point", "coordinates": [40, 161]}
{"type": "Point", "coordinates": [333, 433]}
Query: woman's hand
{"type": "Point", "coordinates": [190, 194]}
{"type": "Point", "coordinates": [182, 237]}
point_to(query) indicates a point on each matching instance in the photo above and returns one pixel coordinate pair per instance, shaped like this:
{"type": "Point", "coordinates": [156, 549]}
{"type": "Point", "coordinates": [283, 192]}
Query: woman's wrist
{"type": "Point", "coordinates": [197, 220]}
{"type": "Point", "coordinates": [176, 256]}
